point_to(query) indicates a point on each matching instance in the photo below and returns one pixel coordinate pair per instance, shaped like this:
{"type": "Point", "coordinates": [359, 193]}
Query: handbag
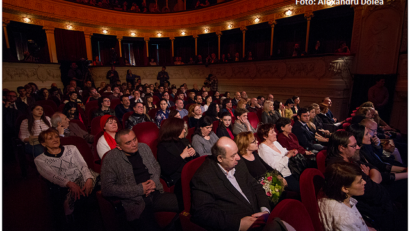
{"type": "Point", "coordinates": [297, 164]}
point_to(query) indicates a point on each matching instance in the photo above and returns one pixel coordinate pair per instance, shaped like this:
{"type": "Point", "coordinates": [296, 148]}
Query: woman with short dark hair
{"type": "Point", "coordinates": [287, 139]}
{"type": "Point", "coordinates": [213, 111]}
{"type": "Point", "coordinates": [227, 106]}
{"type": "Point", "coordinates": [225, 126]}
{"type": "Point", "coordinates": [163, 112]}
{"type": "Point", "coordinates": [204, 138]}
{"type": "Point", "coordinates": [288, 113]}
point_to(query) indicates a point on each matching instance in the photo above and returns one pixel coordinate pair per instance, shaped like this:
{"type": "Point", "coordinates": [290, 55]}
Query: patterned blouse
{"type": "Point", "coordinates": [160, 116]}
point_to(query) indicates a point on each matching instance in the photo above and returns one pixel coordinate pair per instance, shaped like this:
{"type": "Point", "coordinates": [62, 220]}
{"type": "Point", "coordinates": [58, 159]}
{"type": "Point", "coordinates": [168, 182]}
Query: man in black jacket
{"type": "Point", "coordinates": [123, 107]}
{"type": "Point", "coordinates": [305, 136]}
{"type": "Point", "coordinates": [137, 117]}
{"type": "Point", "coordinates": [104, 107]}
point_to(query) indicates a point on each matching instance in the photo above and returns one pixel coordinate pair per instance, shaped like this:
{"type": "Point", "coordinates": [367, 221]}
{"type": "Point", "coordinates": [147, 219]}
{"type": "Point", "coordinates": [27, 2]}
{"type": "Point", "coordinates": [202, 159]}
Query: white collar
{"type": "Point", "coordinates": [230, 173]}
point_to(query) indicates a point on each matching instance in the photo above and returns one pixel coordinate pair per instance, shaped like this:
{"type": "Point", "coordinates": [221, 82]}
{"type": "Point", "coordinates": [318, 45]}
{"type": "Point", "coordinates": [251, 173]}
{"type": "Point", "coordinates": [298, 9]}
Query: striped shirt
{"type": "Point", "coordinates": [38, 127]}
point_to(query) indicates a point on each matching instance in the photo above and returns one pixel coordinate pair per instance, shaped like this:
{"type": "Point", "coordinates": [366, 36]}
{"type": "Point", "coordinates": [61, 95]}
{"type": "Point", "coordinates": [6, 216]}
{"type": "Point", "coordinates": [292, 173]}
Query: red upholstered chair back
{"type": "Point", "coordinates": [186, 118]}
{"type": "Point", "coordinates": [320, 160]}
{"type": "Point", "coordinates": [110, 219]}
{"type": "Point", "coordinates": [79, 123]}
{"type": "Point", "coordinates": [61, 107]}
{"type": "Point", "coordinates": [91, 104]}
{"type": "Point", "coordinates": [345, 125]}
{"type": "Point", "coordinates": [50, 103]}
{"type": "Point", "coordinates": [341, 130]}
{"type": "Point", "coordinates": [105, 94]}
{"type": "Point", "coordinates": [215, 126]}
{"type": "Point", "coordinates": [259, 113]}
{"type": "Point", "coordinates": [82, 146]}
{"type": "Point", "coordinates": [190, 132]}
{"type": "Point", "coordinates": [114, 103]}
{"type": "Point", "coordinates": [348, 120]}
{"type": "Point", "coordinates": [173, 107]}
{"type": "Point", "coordinates": [96, 157]}
{"type": "Point", "coordinates": [256, 137]}
{"type": "Point", "coordinates": [188, 105]}
{"type": "Point", "coordinates": [186, 175]}
{"type": "Point", "coordinates": [234, 107]}
{"type": "Point", "coordinates": [294, 213]}
{"type": "Point", "coordinates": [253, 119]}
{"type": "Point", "coordinates": [48, 110]}
{"type": "Point", "coordinates": [311, 181]}
{"type": "Point", "coordinates": [155, 99]}
{"type": "Point", "coordinates": [125, 117]}
{"type": "Point", "coordinates": [147, 133]}
{"type": "Point", "coordinates": [89, 114]}
{"type": "Point", "coordinates": [292, 122]}
{"type": "Point", "coordinates": [152, 113]}
{"type": "Point", "coordinates": [95, 125]}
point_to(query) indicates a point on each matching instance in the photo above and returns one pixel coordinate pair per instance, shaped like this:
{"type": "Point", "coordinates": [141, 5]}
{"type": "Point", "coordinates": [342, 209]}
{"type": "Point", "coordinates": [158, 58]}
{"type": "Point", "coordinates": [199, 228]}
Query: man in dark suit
{"type": "Point", "coordinates": [236, 99]}
{"type": "Point", "coordinates": [60, 122]}
{"type": "Point", "coordinates": [329, 113]}
{"type": "Point", "coordinates": [305, 136]}
{"type": "Point", "coordinates": [224, 195]}
{"type": "Point", "coordinates": [166, 97]}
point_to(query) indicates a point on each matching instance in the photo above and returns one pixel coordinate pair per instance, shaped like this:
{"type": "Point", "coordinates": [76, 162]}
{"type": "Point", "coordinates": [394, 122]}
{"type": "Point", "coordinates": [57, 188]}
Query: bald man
{"type": "Point", "coordinates": [236, 99]}
{"type": "Point", "coordinates": [224, 195]}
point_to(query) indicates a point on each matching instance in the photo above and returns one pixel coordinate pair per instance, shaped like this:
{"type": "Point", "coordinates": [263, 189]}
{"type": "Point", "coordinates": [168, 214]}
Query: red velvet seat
{"type": "Point", "coordinates": [353, 114]}
{"type": "Point", "coordinates": [186, 118]}
{"type": "Point", "coordinates": [155, 99]}
{"type": "Point", "coordinates": [114, 103]}
{"type": "Point", "coordinates": [345, 125]}
{"type": "Point", "coordinates": [105, 94]}
{"type": "Point", "coordinates": [96, 157]}
{"type": "Point", "coordinates": [320, 160]}
{"type": "Point", "coordinates": [79, 123]}
{"type": "Point", "coordinates": [215, 126]}
{"type": "Point", "coordinates": [259, 113]}
{"type": "Point", "coordinates": [294, 213]}
{"type": "Point", "coordinates": [95, 125]}
{"type": "Point", "coordinates": [190, 132]}
{"type": "Point", "coordinates": [89, 114]}
{"type": "Point", "coordinates": [125, 117]}
{"type": "Point", "coordinates": [82, 146]}
{"type": "Point", "coordinates": [50, 103]}
{"type": "Point", "coordinates": [48, 110]}
{"type": "Point", "coordinates": [253, 119]}
{"type": "Point", "coordinates": [188, 105]}
{"type": "Point", "coordinates": [152, 113]}
{"type": "Point", "coordinates": [90, 105]}
{"type": "Point", "coordinates": [187, 173]}
{"type": "Point", "coordinates": [172, 108]}
{"type": "Point", "coordinates": [348, 120]}
{"type": "Point", "coordinates": [341, 130]}
{"type": "Point", "coordinates": [147, 133]}
{"type": "Point", "coordinates": [311, 181]}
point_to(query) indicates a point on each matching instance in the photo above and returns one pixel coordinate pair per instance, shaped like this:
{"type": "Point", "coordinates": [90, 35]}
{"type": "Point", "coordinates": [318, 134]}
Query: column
{"type": "Point", "coordinates": [272, 31]}
{"type": "Point", "coordinates": [6, 37]}
{"type": "Point", "coordinates": [196, 44]}
{"type": "Point", "coordinates": [87, 37]}
{"type": "Point", "coordinates": [51, 42]}
{"type": "Point", "coordinates": [146, 39]}
{"type": "Point", "coordinates": [119, 43]}
{"type": "Point", "coordinates": [219, 33]}
{"type": "Point", "coordinates": [243, 29]}
{"type": "Point", "coordinates": [308, 16]}
{"type": "Point", "coordinates": [172, 45]}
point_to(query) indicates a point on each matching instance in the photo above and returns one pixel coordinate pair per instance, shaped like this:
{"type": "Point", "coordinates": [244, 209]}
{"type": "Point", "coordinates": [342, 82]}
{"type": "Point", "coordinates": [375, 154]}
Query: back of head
{"type": "Point", "coordinates": [171, 129]}
{"type": "Point", "coordinates": [55, 119]}
{"type": "Point", "coordinates": [243, 140]}
{"type": "Point", "coordinates": [240, 111]}
{"type": "Point", "coordinates": [204, 121]}
{"type": "Point", "coordinates": [323, 107]}
{"type": "Point", "coordinates": [367, 104]}
{"type": "Point", "coordinates": [224, 102]}
{"type": "Point", "coordinates": [357, 131]}
{"type": "Point", "coordinates": [358, 119]}
{"type": "Point", "coordinates": [212, 110]}
{"type": "Point", "coordinates": [339, 138]}
{"type": "Point", "coordinates": [282, 122]}
{"type": "Point", "coordinates": [289, 101]}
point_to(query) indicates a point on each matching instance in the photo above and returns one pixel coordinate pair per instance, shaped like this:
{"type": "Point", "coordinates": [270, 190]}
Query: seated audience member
{"type": "Point", "coordinates": [288, 113]}
{"type": "Point", "coordinates": [76, 180]}
{"type": "Point", "coordinates": [296, 106]}
{"type": "Point", "coordinates": [312, 119]}
{"type": "Point", "coordinates": [61, 123]}
{"type": "Point", "coordinates": [248, 150]}
{"type": "Point", "coordinates": [276, 156]}
{"type": "Point", "coordinates": [208, 101]}
{"type": "Point", "coordinates": [16, 107]}
{"type": "Point", "coordinates": [179, 106]}
{"type": "Point", "coordinates": [30, 129]}
{"type": "Point", "coordinates": [216, 96]}
{"type": "Point", "coordinates": [213, 111]}
{"type": "Point", "coordinates": [23, 98]}
{"type": "Point", "coordinates": [241, 103]}
{"type": "Point", "coordinates": [287, 139]}
{"type": "Point", "coordinates": [194, 114]}
{"type": "Point", "coordinates": [137, 117]}
{"type": "Point", "coordinates": [148, 92]}
{"type": "Point", "coordinates": [215, 206]}
{"type": "Point", "coordinates": [329, 113]}
{"type": "Point", "coordinates": [173, 152]}
{"type": "Point", "coordinates": [191, 97]}
{"type": "Point", "coordinates": [136, 98]}
{"type": "Point", "coordinates": [343, 48]}
{"type": "Point", "coordinates": [227, 106]}
{"type": "Point", "coordinates": [44, 94]}
{"type": "Point", "coordinates": [116, 93]}
{"type": "Point", "coordinates": [195, 88]}
{"type": "Point", "coordinates": [149, 103]}
{"type": "Point", "coordinates": [376, 201]}
{"type": "Point", "coordinates": [270, 97]}
{"type": "Point", "coordinates": [323, 119]}
{"type": "Point", "coordinates": [94, 95]}
{"type": "Point", "coordinates": [160, 92]}
{"type": "Point", "coordinates": [174, 93]}
{"type": "Point", "coordinates": [236, 99]}
{"type": "Point", "coordinates": [174, 114]}
{"type": "Point", "coordinates": [198, 101]}
{"type": "Point", "coordinates": [261, 101]}
{"type": "Point", "coordinates": [338, 207]}
{"type": "Point", "coordinates": [123, 107]}
{"type": "Point", "coordinates": [228, 95]}
{"type": "Point", "coordinates": [162, 113]}
{"type": "Point", "coordinates": [71, 111]}
{"type": "Point", "coordinates": [306, 137]}
{"type": "Point", "coordinates": [241, 122]}
{"type": "Point", "coordinates": [279, 108]}
{"type": "Point", "coordinates": [204, 138]}
{"type": "Point", "coordinates": [131, 174]}
{"type": "Point", "coordinates": [104, 107]}
{"type": "Point", "coordinates": [225, 126]}
{"type": "Point", "coordinates": [269, 115]}
{"type": "Point", "coordinates": [165, 96]}
{"type": "Point", "coordinates": [253, 107]}
{"type": "Point", "coordinates": [107, 142]}
{"type": "Point", "coordinates": [73, 98]}
{"type": "Point", "coordinates": [204, 93]}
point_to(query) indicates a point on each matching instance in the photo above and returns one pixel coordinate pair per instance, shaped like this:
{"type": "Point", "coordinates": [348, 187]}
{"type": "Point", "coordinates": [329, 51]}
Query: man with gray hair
{"type": "Point", "coordinates": [224, 195]}
{"type": "Point", "coordinates": [60, 122]}
{"type": "Point", "coordinates": [131, 173]}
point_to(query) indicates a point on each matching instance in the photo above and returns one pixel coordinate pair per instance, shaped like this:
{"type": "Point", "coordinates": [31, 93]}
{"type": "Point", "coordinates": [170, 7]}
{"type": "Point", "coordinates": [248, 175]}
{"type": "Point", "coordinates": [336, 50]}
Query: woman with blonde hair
{"type": "Point", "coordinates": [269, 115]}
{"type": "Point", "coordinates": [242, 103]}
{"type": "Point", "coordinates": [194, 114]}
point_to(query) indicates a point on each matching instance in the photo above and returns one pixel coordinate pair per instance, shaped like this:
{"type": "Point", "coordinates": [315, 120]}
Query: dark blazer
{"type": "Point", "coordinates": [329, 114]}
{"type": "Point", "coordinates": [75, 130]}
{"type": "Point", "coordinates": [170, 104]}
{"type": "Point", "coordinates": [324, 119]}
{"type": "Point", "coordinates": [305, 138]}
{"type": "Point", "coordinates": [221, 132]}
{"type": "Point", "coordinates": [217, 204]}
{"type": "Point", "coordinates": [270, 118]}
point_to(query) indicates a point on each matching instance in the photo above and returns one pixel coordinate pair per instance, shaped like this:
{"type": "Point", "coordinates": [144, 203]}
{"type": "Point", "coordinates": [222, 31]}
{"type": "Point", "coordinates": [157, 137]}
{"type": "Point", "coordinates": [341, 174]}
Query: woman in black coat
{"type": "Point", "coordinates": [225, 125]}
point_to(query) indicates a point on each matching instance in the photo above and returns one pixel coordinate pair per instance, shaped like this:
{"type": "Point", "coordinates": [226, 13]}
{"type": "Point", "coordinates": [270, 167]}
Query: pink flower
{"type": "Point", "coordinates": [268, 194]}
{"type": "Point", "coordinates": [270, 178]}
{"type": "Point", "coordinates": [263, 183]}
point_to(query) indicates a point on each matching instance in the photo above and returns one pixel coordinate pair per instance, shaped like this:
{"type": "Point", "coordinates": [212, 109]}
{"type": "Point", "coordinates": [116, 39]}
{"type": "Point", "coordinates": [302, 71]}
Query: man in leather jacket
{"type": "Point", "coordinates": [137, 117]}
{"type": "Point", "coordinates": [104, 107]}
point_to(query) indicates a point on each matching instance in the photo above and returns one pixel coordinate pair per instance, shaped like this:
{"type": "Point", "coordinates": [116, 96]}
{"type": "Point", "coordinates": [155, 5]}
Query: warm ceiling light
{"type": "Point", "coordinates": [257, 20]}
{"type": "Point", "coordinates": [26, 20]}
{"type": "Point", "coordinates": [183, 33]}
{"type": "Point", "coordinates": [133, 34]}
{"type": "Point", "coordinates": [105, 31]}
{"type": "Point", "coordinates": [288, 13]}
{"type": "Point", "coordinates": [159, 34]}
{"type": "Point", "coordinates": [230, 26]}
{"type": "Point", "coordinates": [206, 30]}
{"type": "Point", "coordinates": [69, 27]}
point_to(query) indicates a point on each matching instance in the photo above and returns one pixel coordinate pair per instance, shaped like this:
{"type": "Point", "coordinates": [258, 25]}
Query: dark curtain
{"type": "Point", "coordinates": [102, 44]}
{"type": "Point", "coordinates": [330, 27]}
{"type": "Point", "coordinates": [361, 85]}
{"type": "Point", "coordinates": [289, 31]}
{"type": "Point", "coordinates": [257, 41]}
{"type": "Point", "coordinates": [231, 42]}
{"type": "Point", "coordinates": [138, 50]}
{"type": "Point", "coordinates": [26, 37]}
{"type": "Point", "coordinates": [207, 44]}
{"type": "Point", "coordinates": [70, 45]}
{"type": "Point", "coordinates": [184, 47]}
{"type": "Point", "coordinates": [160, 49]}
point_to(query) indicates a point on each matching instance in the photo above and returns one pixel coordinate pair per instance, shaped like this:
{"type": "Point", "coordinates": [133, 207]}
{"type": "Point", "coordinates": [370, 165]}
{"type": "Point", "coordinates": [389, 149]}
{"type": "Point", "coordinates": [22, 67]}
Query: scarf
{"type": "Point", "coordinates": [111, 141]}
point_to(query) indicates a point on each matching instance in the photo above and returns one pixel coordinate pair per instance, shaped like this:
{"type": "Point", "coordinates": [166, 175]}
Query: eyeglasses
{"type": "Point", "coordinates": [254, 141]}
{"type": "Point", "coordinates": [106, 100]}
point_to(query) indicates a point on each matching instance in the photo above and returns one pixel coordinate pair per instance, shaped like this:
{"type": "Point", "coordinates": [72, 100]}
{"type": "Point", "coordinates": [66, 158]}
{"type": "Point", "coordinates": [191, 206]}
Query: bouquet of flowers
{"type": "Point", "coordinates": [273, 185]}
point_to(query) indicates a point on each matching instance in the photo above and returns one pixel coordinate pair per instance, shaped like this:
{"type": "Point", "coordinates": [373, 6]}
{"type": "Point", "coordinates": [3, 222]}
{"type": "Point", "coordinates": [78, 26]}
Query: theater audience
{"type": "Point", "coordinates": [306, 137]}
{"type": "Point", "coordinates": [217, 96]}
{"type": "Point", "coordinates": [16, 107]}
{"type": "Point", "coordinates": [261, 101]}
{"type": "Point", "coordinates": [94, 95]}
{"type": "Point", "coordinates": [194, 114]}
{"type": "Point", "coordinates": [44, 94]}
{"type": "Point", "coordinates": [31, 127]}
{"type": "Point", "coordinates": [236, 99]}
{"type": "Point", "coordinates": [104, 107]}
{"type": "Point", "coordinates": [71, 111]}
{"type": "Point", "coordinates": [276, 156]}
{"type": "Point", "coordinates": [253, 106]}
{"type": "Point", "coordinates": [162, 76]}
{"type": "Point", "coordinates": [288, 113]}
{"type": "Point", "coordinates": [225, 126]}
{"type": "Point", "coordinates": [241, 103]}
{"type": "Point", "coordinates": [337, 208]}
{"type": "Point", "coordinates": [287, 139]}
{"type": "Point", "coordinates": [296, 106]}
{"type": "Point", "coordinates": [23, 97]}
{"type": "Point", "coordinates": [213, 111]}
{"type": "Point", "coordinates": [227, 106]}
{"type": "Point", "coordinates": [137, 117]}
{"type": "Point", "coordinates": [174, 114]}
{"type": "Point", "coordinates": [324, 120]}
{"type": "Point", "coordinates": [198, 101]}
{"type": "Point", "coordinates": [269, 116]}
{"type": "Point", "coordinates": [208, 101]}
{"type": "Point", "coordinates": [179, 106]}
{"type": "Point", "coordinates": [61, 123]}
{"type": "Point", "coordinates": [116, 93]}
{"type": "Point", "coordinates": [109, 124]}
{"type": "Point", "coordinates": [329, 113]}
{"type": "Point", "coordinates": [73, 98]}
{"type": "Point", "coordinates": [228, 95]}
{"type": "Point", "coordinates": [312, 119]}
{"type": "Point", "coordinates": [241, 122]}
{"type": "Point", "coordinates": [131, 174]}
{"type": "Point", "coordinates": [204, 138]}
{"type": "Point", "coordinates": [163, 112]}
{"type": "Point", "coordinates": [149, 103]}
{"type": "Point", "coordinates": [122, 108]}
{"type": "Point", "coordinates": [112, 76]}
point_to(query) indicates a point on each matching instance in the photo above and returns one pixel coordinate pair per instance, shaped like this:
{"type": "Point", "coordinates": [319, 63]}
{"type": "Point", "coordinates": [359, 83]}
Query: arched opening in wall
{"type": "Point", "coordinates": [330, 27]}
{"type": "Point", "coordinates": [28, 43]}
{"type": "Point", "coordinates": [207, 44]}
{"type": "Point", "coordinates": [184, 47]}
{"type": "Point", "coordinates": [134, 51]}
{"type": "Point", "coordinates": [257, 41]}
{"type": "Point", "coordinates": [231, 43]}
{"type": "Point", "coordinates": [107, 48]}
{"type": "Point", "coordinates": [70, 45]}
{"type": "Point", "coordinates": [160, 51]}
{"type": "Point", "coordinates": [288, 32]}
